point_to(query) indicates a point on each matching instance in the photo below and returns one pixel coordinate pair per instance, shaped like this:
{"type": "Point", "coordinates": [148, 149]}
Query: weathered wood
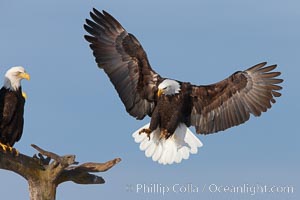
{"type": "Point", "coordinates": [44, 174]}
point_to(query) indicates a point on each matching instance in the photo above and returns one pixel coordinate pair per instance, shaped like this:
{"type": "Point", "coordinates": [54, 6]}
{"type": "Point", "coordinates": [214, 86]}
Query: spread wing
{"type": "Point", "coordinates": [229, 103]}
{"type": "Point", "coordinates": [125, 62]}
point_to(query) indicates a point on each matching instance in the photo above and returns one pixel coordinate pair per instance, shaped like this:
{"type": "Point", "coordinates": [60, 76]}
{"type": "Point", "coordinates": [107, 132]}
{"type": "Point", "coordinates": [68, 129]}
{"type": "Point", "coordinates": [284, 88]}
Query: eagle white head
{"type": "Point", "coordinates": [13, 77]}
{"type": "Point", "coordinates": [168, 87]}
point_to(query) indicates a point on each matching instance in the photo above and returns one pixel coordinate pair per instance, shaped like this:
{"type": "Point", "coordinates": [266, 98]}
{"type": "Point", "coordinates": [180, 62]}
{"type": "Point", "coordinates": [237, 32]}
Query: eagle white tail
{"type": "Point", "coordinates": [174, 149]}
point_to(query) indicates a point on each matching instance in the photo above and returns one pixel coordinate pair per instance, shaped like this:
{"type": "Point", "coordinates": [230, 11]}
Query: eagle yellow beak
{"type": "Point", "coordinates": [159, 92]}
{"type": "Point", "coordinates": [24, 75]}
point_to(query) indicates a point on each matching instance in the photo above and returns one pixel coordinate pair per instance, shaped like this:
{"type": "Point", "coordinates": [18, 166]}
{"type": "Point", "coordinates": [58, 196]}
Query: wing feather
{"type": "Point", "coordinates": [230, 102]}
{"type": "Point", "coordinates": [125, 62]}
{"type": "Point", "coordinates": [8, 108]}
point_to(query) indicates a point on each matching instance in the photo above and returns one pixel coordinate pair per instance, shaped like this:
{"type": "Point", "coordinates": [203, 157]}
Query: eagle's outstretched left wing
{"type": "Point", "coordinates": [125, 62]}
{"type": "Point", "coordinates": [229, 103]}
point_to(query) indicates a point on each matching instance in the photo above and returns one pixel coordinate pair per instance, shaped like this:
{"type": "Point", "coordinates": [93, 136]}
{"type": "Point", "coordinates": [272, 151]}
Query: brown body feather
{"type": "Point", "coordinates": [172, 110]}
{"type": "Point", "coordinates": [11, 116]}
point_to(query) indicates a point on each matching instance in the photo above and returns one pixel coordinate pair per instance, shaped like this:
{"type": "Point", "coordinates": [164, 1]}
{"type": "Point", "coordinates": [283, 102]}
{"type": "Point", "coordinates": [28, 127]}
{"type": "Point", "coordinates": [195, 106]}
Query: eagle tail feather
{"type": "Point", "coordinates": [168, 151]}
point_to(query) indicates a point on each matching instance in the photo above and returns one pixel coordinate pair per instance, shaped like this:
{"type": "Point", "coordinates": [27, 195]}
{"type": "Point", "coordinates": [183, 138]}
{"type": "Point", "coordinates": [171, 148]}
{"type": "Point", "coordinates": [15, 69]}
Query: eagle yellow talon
{"type": "Point", "coordinates": [148, 132]}
{"type": "Point", "coordinates": [3, 147]}
{"type": "Point", "coordinates": [8, 148]}
{"type": "Point", "coordinates": [164, 134]}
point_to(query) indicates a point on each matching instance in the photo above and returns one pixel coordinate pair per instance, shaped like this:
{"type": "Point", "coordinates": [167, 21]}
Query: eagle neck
{"type": "Point", "coordinates": [12, 85]}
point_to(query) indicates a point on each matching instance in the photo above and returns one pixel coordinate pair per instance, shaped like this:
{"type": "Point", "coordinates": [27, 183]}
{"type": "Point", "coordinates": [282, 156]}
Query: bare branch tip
{"type": "Point", "coordinates": [117, 160]}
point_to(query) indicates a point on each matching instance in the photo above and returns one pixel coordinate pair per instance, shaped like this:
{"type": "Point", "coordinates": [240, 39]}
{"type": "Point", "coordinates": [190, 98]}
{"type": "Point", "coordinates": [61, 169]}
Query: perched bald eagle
{"type": "Point", "coordinates": [12, 101]}
{"type": "Point", "coordinates": [174, 105]}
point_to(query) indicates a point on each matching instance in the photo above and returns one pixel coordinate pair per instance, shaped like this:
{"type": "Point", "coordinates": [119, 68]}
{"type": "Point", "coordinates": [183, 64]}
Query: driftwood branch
{"type": "Point", "coordinates": [46, 170]}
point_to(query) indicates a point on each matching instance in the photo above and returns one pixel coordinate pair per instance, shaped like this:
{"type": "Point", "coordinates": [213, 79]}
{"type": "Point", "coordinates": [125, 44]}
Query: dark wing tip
{"type": "Point", "coordinates": [112, 20]}
{"type": "Point", "coordinates": [105, 13]}
{"type": "Point", "coordinates": [90, 39]}
{"type": "Point", "coordinates": [90, 23]}
{"type": "Point", "coordinates": [256, 67]}
{"type": "Point", "coordinates": [97, 12]}
{"type": "Point", "coordinates": [263, 63]}
{"type": "Point", "coordinates": [86, 27]}
{"type": "Point", "coordinates": [276, 94]}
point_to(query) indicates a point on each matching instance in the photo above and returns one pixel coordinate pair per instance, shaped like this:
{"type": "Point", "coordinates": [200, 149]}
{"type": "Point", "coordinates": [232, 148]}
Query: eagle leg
{"type": "Point", "coordinates": [148, 131]}
{"type": "Point", "coordinates": [164, 134]}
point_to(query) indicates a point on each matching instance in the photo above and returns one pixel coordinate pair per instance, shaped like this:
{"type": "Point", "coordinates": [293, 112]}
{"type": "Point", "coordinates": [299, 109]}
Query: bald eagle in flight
{"type": "Point", "coordinates": [174, 105]}
{"type": "Point", "coordinates": [12, 101]}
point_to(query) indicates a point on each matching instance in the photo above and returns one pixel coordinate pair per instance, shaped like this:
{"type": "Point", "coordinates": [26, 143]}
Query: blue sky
{"type": "Point", "coordinates": [72, 107]}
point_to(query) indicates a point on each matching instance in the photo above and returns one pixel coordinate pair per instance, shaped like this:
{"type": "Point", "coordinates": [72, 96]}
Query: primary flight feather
{"type": "Point", "coordinates": [174, 105]}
